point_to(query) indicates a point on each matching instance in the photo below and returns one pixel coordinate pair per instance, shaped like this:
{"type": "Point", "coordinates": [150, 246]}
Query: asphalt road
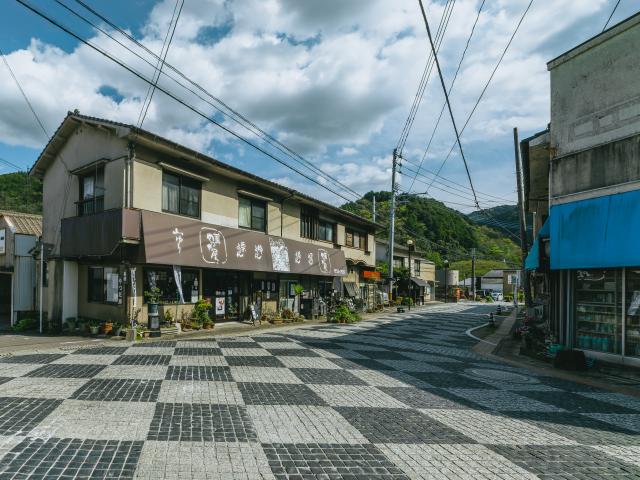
{"type": "Point", "coordinates": [397, 397]}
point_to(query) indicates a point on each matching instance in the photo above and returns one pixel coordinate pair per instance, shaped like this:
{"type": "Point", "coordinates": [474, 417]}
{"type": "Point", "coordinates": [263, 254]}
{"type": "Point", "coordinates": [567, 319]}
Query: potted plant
{"type": "Point", "coordinates": [107, 327]}
{"type": "Point", "coordinates": [117, 328]}
{"type": "Point", "coordinates": [168, 317]}
{"type": "Point", "coordinates": [94, 327]}
{"type": "Point", "coordinates": [153, 299]}
{"type": "Point", "coordinates": [297, 290]}
{"type": "Point", "coordinates": [200, 315]}
{"type": "Point", "coordinates": [71, 324]}
{"type": "Point", "coordinates": [287, 315]}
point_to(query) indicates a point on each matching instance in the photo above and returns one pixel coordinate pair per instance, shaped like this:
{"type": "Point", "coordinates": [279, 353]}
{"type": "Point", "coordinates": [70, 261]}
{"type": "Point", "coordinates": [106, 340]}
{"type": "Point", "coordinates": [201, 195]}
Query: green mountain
{"type": "Point", "coordinates": [439, 231]}
{"type": "Point", "coordinates": [20, 193]}
{"type": "Point", "coordinates": [505, 215]}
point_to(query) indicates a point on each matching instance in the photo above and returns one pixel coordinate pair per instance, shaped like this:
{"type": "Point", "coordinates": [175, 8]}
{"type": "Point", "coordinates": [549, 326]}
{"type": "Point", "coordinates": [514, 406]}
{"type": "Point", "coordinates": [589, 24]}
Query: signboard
{"type": "Point", "coordinates": [220, 305]}
{"type": "Point", "coordinates": [372, 275]}
{"type": "Point", "coordinates": [2, 241]}
{"type": "Point", "coordinates": [134, 288]}
{"type": "Point", "coordinates": [172, 240]}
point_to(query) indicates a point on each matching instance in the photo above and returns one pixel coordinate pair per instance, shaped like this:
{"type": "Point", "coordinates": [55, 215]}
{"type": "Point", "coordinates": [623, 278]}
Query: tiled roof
{"type": "Point", "coordinates": [24, 223]}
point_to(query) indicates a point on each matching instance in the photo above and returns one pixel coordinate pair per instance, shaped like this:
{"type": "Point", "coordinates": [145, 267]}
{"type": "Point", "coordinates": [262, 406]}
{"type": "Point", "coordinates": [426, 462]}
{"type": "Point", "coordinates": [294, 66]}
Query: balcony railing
{"type": "Point", "coordinates": [90, 206]}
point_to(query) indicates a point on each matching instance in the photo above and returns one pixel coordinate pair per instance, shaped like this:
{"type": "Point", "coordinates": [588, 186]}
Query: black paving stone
{"type": "Point", "coordinates": [5, 379]}
{"type": "Point", "coordinates": [33, 358]}
{"type": "Point", "coordinates": [582, 429]}
{"type": "Point", "coordinates": [567, 462]}
{"type": "Point", "coordinates": [21, 415]}
{"type": "Point", "coordinates": [71, 458]}
{"type": "Point", "coordinates": [417, 398]}
{"type": "Point", "coordinates": [101, 351]}
{"type": "Point", "coordinates": [143, 360]}
{"type": "Point", "coordinates": [576, 403]}
{"type": "Point", "coordinates": [382, 355]}
{"type": "Point", "coordinates": [119, 390]}
{"type": "Point", "coordinates": [317, 376]}
{"type": "Point", "coordinates": [201, 422]}
{"type": "Point", "coordinates": [400, 425]}
{"type": "Point", "coordinates": [63, 370]}
{"type": "Point", "coordinates": [370, 364]}
{"type": "Point", "coordinates": [278, 394]}
{"type": "Point", "coordinates": [160, 343]}
{"type": "Point", "coordinates": [255, 361]}
{"type": "Point", "coordinates": [213, 373]}
{"type": "Point", "coordinates": [238, 344]}
{"type": "Point", "coordinates": [292, 352]}
{"type": "Point", "coordinates": [329, 461]}
{"type": "Point", "coordinates": [450, 380]}
{"type": "Point", "coordinates": [270, 339]}
{"type": "Point", "coordinates": [197, 351]}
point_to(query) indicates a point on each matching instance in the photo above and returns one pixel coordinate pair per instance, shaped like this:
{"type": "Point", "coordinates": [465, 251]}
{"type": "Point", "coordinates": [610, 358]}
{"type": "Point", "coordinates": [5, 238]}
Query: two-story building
{"type": "Point", "coordinates": [587, 227]}
{"type": "Point", "coordinates": [422, 271]}
{"type": "Point", "coordinates": [126, 210]}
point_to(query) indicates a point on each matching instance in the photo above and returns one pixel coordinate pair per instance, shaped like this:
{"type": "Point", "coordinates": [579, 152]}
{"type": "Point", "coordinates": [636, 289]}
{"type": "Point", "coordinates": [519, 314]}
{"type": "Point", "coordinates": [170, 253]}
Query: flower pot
{"type": "Point", "coordinates": [94, 330]}
{"type": "Point", "coordinates": [146, 333]}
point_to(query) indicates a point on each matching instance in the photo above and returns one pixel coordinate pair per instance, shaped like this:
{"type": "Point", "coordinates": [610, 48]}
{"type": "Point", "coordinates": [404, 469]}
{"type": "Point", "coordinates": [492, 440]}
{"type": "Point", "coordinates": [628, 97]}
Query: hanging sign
{"type": "Point", "coordinates": [134, 287]}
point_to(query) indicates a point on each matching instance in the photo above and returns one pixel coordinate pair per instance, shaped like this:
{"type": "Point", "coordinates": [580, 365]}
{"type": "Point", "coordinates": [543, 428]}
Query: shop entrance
{"type": "Point", "coordinates": [5, 301]}
{"type": "Point", "coordinates": [227, 292]}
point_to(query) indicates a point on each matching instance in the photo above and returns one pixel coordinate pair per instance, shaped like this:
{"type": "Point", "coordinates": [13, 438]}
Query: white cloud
{"type": "Point", "coordinates": [316, 74]}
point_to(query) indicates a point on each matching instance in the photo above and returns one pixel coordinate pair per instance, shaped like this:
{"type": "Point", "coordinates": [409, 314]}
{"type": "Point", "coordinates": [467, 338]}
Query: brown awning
{"type": "Point", "coordinates": [173, 240]}
{"type": "Point", "coordinates": [419, 282]}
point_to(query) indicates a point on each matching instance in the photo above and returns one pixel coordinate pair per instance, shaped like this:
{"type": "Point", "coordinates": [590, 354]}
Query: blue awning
{"type": "Point", "coordinates": [596, 233]}
{"type": "Point", "coordinates": [533, 258]}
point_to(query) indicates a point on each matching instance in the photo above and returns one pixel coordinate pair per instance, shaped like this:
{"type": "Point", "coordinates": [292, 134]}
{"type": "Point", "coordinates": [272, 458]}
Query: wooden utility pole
{"type": "Point", "coordinates": [523, 219]}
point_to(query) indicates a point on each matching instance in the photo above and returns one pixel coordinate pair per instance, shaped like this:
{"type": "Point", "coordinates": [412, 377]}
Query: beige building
{"type": "Point", "coordinates": [126, 210]}
{"type": "Point", "coordinates": [422, 270]}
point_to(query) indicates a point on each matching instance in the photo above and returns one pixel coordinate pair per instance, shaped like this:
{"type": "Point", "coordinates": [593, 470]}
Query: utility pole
{"type": "Point", "coordinates": [374, 208]}
{"type": "Point", "coordinates": [41, 279]}
{"type": "Point", "coordinates": [523, 218]}
{"type": "Point", "coordinates": [473, 272]}
{"type": "Point", "coordinates": [392, 218]}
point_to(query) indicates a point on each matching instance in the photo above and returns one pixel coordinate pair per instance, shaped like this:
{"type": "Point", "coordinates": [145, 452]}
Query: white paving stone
{"type": "Point", "coordinates": [83, 359]}
{"type": "Point", "coordinates": [377, 379]}
{"type": "Point", "coordinates": [264, 375]}
{"type": "Point", "coordinates": [629, 453]}
{"type": "Point", "coordinates": [245, 352]}
{"type": "Point", "coordinates": [41, 387]}
{"type": "Point", "coordinates": [179, 391]}
{"type": "Point", "coordinates": [503, 400]}
{"type": "Point", "coordinates": [302, 424]}
{"type": "Point", "coordinates": [140, 372]}
{"type": "Point", "coordinates": [495, 429]}
{"type": "Point", "coordinates": [16, 369]}
{"type": "Point", "coordinates": [203, 460]}
{"type": "Point", "coordinates": [198, 361]}
{"type": "Point", "coordinates": [452, 461]}
{"type": "Point", "coordinates": [308, 362]}
{"type": "Point", "coordinates": [97, 420]}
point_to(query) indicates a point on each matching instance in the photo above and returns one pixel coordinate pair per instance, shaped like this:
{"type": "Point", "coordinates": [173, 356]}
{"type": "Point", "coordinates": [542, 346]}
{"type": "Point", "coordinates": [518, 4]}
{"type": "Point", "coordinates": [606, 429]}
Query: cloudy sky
{"type": "Point", "coordinates": [334, 80]}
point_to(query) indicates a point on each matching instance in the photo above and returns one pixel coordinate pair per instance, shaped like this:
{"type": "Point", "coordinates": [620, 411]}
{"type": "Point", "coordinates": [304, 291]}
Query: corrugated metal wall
{"type": "Point", "coordinates": [24, 274]}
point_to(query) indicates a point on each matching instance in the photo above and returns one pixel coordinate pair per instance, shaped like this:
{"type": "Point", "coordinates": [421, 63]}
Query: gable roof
{"type": "Point", "coordinates": [74, 119]}
{"type": "Point", "coordinates": [23, 223]}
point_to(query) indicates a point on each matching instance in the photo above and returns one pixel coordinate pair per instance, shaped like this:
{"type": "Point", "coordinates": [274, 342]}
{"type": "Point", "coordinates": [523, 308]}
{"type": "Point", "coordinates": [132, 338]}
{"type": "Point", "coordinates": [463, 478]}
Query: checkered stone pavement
{"type": "Point", "coordinates": [397, 397]}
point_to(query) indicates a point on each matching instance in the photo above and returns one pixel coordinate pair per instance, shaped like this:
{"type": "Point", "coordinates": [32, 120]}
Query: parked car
{"type": "Point", "coordinates": [497, 296]}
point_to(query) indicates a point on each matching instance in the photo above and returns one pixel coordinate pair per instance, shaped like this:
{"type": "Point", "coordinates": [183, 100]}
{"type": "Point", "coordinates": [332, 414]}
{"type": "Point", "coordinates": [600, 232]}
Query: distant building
{"type": "Point", "coordinates": [582, 183]}
{"type": "Point", "coordinates": [19, 233]}
{"type": "Point", "coordinates": [423, 270]}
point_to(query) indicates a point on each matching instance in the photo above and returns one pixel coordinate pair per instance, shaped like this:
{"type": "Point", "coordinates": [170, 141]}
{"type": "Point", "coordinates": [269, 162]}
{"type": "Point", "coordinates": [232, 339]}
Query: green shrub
{"type": "Point", "coordinates": [200, 314]}
{"type": "Point", "coordinates": [25, 324]}
{"type": "Point", "coordinates": [344, 315]}
{"type": "Point", "coordinates": [488, 299]}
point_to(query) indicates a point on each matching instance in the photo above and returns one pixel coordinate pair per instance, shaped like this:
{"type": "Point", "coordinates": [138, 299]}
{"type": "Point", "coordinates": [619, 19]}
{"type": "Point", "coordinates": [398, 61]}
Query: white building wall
{"type": "Point", "coordinates": [69, 290]}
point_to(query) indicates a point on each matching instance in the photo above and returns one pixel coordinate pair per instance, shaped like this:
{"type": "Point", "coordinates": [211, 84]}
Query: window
{"type": "Point", "coordinates": [252, 214]}
{"type": "Point", "coordinates": [103, 284]}
{"type": "Point", "coordinates": [355, 239]}
{"type": "Point", "coordinates": [398, 262]}
{"type": "Point", "coordinates": [91, 192]}
{"type": "Point", "coordinates": [180, 195]}
{"type": "Point", "coordinates": [163, 278]}
{"type": "Point", "coordinates": [326, 231]}
{"type": "Point", "coordinates": [416, 267]}
{"type": "Point", "coordinates": [309, 223]}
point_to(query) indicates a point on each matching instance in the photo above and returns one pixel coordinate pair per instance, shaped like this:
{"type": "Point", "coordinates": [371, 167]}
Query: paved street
{"type": "Point", "coordinates": [393, 398]}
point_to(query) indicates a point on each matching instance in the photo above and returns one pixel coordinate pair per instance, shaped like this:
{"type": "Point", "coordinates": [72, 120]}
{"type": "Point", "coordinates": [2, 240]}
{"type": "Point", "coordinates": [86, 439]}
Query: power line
{"type": "Point", "coordinates": [426, 75]}
{"type": "Point", "coordinates": [219, 105]}
{"type": "Point", "coordinates": [611, 16]}
{"type": "Point", "coordinates": [175, 97]}
{"type": "Point", "coordinates": [163, 52]}
{"type": "Point", "coordinates": [453, 81]}
{"type": "Point", "coordinates": [486, 86]}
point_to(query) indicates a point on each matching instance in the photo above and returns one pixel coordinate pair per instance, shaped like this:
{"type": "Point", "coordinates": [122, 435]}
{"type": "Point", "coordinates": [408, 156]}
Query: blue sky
{"type": "Point", "coordinates": [334, 80]}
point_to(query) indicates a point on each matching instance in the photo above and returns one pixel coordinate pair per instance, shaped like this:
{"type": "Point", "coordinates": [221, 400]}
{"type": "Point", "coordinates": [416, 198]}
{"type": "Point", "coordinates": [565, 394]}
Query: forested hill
{"type": "Point", "coordinates": [505, 215]}
{"type": "Point", "coordinates": [20, 193]}
{"type": "Point", "coordinates": [429, 222]}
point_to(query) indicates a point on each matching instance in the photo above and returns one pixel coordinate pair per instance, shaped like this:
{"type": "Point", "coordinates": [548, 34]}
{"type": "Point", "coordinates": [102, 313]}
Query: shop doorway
{"type": "Point", "coordinates": [227, 292]}
{"type": "Point", "coordinates": [5, 301]}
